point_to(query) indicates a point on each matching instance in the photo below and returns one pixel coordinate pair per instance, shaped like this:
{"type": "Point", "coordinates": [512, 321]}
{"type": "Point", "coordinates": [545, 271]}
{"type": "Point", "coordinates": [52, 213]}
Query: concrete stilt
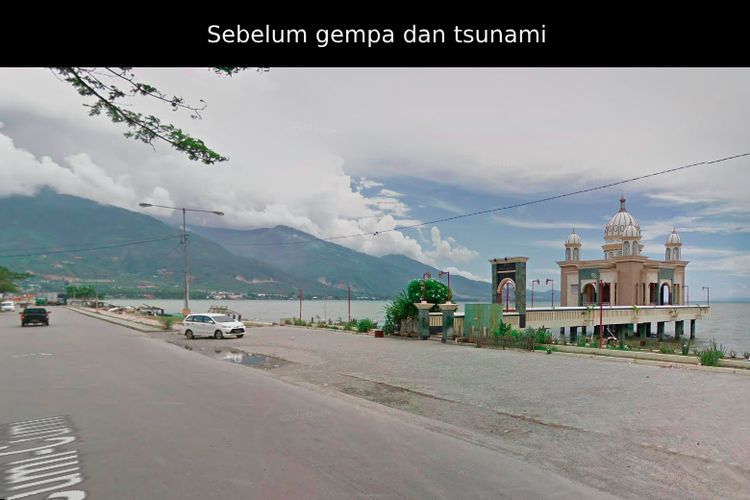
{"type": "Point", "coordinates": [660, 330]}
{"type": "Point", "coordinates": [692, 329]}
{"type": "Point", "coordinates": [679, 328]}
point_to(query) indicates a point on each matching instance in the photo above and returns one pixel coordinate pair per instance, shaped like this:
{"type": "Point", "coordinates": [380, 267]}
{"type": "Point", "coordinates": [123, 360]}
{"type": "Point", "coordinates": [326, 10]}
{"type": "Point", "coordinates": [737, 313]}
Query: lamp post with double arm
{"type": "Point", "coordinates": [550, 280]}
{"type": "Point", "coordinates": [538, 282]}
{"type": "Point", "coordinates": [186, 285]}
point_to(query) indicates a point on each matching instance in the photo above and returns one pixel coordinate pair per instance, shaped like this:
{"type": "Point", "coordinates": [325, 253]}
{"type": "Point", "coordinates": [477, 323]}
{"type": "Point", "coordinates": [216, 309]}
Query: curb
{"type": "Point", "coordinates": [124, 323]}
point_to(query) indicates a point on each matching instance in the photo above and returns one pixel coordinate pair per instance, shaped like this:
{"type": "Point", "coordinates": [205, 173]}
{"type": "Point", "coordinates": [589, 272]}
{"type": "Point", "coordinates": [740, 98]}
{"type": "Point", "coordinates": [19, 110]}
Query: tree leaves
{"type": "Point", "coordinates": [100, 85]}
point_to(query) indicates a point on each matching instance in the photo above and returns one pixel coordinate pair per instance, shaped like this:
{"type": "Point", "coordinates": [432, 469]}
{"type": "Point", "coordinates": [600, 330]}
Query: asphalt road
{"type": "Point", "coordinates": [146, 419]}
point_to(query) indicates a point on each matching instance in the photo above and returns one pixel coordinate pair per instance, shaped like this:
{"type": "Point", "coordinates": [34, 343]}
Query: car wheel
{"type": "Point", "coordinates": [189, 334]}
{"type": "Point", "coordinates": [46, 323]}
{"type": "Point", "coordinates": [240, 336]}
{"type": "Point", "coordinates": [218, 334]}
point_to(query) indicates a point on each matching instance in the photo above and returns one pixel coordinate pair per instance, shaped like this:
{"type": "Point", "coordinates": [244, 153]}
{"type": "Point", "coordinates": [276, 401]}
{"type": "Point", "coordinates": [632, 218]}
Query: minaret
{"type": "Point", "coordinates": [573, 247]}
{"type": "Point", "coordinates": [673, 246]}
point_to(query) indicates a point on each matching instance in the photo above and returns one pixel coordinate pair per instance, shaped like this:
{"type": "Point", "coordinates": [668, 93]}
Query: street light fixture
{"type": "Point", "coordinates": [601, 312]}
{"type": "Point", "coordinates": [425, 277]}
{"type": "Point", "coordinates": [186, 286]}
{"type": "Point", "coordinates": [538, 282]}
{"type": "Point", "coordinates": [549, 280]}
{"type": "Point", "coordinates": [450, 294]}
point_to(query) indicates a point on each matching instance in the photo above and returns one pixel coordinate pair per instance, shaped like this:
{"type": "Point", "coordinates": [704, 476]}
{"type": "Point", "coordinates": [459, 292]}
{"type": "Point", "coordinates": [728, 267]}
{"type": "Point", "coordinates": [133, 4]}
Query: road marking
{"type": "Point", "coordinates": [38, 463]}
{"type": "Point", "coordinates": [32, 354]}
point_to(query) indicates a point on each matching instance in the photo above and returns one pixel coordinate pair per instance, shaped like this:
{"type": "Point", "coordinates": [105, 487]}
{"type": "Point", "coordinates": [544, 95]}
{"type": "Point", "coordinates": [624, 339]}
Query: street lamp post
{"type": "Point", "coordinates": [532, 290]}
{"type": "Point", "coordinates": [425, 277]}
{"type": "Point", "coordinates": [708, 295]}
{"type": "Point", "coordinates": [186, 284]}
{"type": "Point", "coordinates": [601, 312]}
{"type": "Point", "coordinates": [553, 290]}
{"type": "Point", "coordinates": [450, 294]}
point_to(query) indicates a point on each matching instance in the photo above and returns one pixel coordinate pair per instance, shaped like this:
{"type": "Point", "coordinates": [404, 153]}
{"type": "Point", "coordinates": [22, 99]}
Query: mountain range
{"type": "Point", "coordinates": [64, 239]}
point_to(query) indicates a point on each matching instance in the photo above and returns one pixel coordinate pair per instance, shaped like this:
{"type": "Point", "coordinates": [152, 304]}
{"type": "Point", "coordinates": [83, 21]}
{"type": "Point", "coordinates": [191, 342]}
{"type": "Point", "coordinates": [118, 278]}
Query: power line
{"type": "Point", "coordinates": [508, 207]}
{"type": "Point", "coordinates": [87, 249]}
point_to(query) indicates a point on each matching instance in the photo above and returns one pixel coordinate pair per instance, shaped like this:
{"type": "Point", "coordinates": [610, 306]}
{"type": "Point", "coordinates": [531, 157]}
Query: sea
{"type": "Point", "coordinates": [728, 322]}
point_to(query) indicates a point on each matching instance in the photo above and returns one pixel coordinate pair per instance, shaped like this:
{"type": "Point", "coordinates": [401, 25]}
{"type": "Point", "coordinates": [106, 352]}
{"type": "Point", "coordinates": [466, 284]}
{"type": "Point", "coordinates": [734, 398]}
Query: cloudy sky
{"type": "Point", "coordinates": [346, 151]}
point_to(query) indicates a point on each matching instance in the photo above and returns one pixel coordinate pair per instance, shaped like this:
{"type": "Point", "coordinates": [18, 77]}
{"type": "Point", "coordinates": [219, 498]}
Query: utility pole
{"type": "Point", "coordinates": [186, 281]}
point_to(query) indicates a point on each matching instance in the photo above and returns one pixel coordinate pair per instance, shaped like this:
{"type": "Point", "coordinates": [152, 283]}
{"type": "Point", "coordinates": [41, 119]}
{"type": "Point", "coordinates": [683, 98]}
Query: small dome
{"type": "Point", "coordinates": [617, 224]}
{"type": "Point", "coordinates": [631, 231]}
{"type": "Point", "coordinates": [573, 239]}
{"type": "Point", "coordinates": [674, 238]}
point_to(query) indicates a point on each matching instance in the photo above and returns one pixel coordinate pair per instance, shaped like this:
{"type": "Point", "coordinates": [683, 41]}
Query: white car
{"type": "Point", "coordinates": [212, 325]}
{"type": "Point", "coordinates": [7, 306]}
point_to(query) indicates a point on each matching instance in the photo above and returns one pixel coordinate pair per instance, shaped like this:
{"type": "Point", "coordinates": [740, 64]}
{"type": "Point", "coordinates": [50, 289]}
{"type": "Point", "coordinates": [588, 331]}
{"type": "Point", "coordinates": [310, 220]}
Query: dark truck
{"type": "Point", "coordinates": [35, 315]}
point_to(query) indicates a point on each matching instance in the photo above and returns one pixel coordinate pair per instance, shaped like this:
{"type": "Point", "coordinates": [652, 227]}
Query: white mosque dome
{"type": "Point", "coordinates": [674, 238]}
{"type": "Point", "coordinates": [573, 239]}
{"type": "Point", "coordinates": [631, 231]}
{"type": "Point", "coordinates": [615, 228]}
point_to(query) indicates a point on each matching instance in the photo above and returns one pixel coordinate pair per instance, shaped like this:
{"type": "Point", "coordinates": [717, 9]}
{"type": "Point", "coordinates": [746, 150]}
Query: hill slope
{"type": "Point", "coordinates": [304, 256]}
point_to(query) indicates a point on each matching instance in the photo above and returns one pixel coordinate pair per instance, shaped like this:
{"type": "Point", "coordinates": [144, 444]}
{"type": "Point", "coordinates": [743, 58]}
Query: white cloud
{"type": "Point", "coordinates": [389, 193]}
{"type": "Point", "coordinates": [537, 224]}
{"type": "Point", "coordinates": [466, 274]}
{"type": "Point", "coordinates": [447, 250]}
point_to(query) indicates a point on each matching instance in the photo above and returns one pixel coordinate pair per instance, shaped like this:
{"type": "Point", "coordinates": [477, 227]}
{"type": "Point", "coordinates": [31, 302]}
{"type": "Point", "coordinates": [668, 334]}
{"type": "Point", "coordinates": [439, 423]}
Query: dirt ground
{"type": "Point", "coordinates": [634, 430]}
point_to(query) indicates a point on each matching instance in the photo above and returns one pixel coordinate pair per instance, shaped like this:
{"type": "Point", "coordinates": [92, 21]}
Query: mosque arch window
{"type": "Point", "coordinates": [576, 255]}
{"type": "Point", "coordinates": [667, 256]}
{"type": "Point", "coordinates": [626, 248]}
{"type": "Point", "coordinates": [676, 254]}
{"type": "Point", "coordinates": [567, 254]}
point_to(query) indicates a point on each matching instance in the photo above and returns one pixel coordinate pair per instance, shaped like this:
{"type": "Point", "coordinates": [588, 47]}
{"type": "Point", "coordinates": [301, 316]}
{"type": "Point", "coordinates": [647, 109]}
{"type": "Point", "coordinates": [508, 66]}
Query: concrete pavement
{"type": "Point", "coordinates": [152, 420]}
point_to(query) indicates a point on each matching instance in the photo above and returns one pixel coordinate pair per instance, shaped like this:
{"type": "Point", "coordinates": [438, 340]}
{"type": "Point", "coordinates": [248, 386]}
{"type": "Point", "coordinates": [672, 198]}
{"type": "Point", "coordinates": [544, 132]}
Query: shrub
{"type": "Point", "coordinates": [581, 341]}
{"type": "Point", "coordinates": [666, 349]}
{"type": "Point", "coordinates": [686, 348]}
{"type": "Point", "coordinates": [167, 322]}
{"type": "Point", "coordinates": [542, 336]}
{"type": "Point", "coordinates": [365, 325]}
{"type": "Point", "coordinates": [711, 353]}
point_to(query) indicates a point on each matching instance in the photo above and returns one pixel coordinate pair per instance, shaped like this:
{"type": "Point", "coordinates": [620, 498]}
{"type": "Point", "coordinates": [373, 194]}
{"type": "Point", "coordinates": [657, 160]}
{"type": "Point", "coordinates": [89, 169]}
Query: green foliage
{"type": "Point", "coordinates": [436, 292]}
{"type": "Point", "coordinates": [111, 91]}
{"type": "Point", "coordinates": [666, 349]}
{"type": "Point", "coordinates": [9, 278]}
{"type": "Point", "coordinates": [581, 342]}
{"type": "Point", "coordinates": [365, 325]}
{"type": "Point", "coordinates": [686, 348]}
{"type": "Point", "coordinates": [167, 322]}
{"type": "Point", "coordinates": [397, 310]}
{"type": "Point", "coordinates": [542, 336]}
{"type": "Point", "coordinates": [711, 353]}
{"type": "Point", "coordinates": [81, 292]}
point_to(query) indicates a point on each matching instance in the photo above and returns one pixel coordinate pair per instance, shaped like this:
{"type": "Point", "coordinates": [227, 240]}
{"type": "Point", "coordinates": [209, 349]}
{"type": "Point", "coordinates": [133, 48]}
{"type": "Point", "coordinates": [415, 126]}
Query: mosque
{"type": "Point", "coordinates": [628, 278]}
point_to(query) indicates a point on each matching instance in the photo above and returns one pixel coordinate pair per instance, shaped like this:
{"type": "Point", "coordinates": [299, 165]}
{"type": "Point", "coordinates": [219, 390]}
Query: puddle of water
{"type": "Point", "coordinates": [241, 358]}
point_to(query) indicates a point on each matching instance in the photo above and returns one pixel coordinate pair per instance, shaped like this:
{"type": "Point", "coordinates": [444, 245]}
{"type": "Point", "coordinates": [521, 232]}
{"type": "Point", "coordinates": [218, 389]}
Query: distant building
{"type": "Point", "coordinates": [628, 277]}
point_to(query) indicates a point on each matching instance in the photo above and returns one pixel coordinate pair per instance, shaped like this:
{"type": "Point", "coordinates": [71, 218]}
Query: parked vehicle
{"type": "Point", "coordinates": [212, 325]}
{"type": "Point", "coordinates": [32, 315]}
{"type": "Point", "coordinates": [7, 306]}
